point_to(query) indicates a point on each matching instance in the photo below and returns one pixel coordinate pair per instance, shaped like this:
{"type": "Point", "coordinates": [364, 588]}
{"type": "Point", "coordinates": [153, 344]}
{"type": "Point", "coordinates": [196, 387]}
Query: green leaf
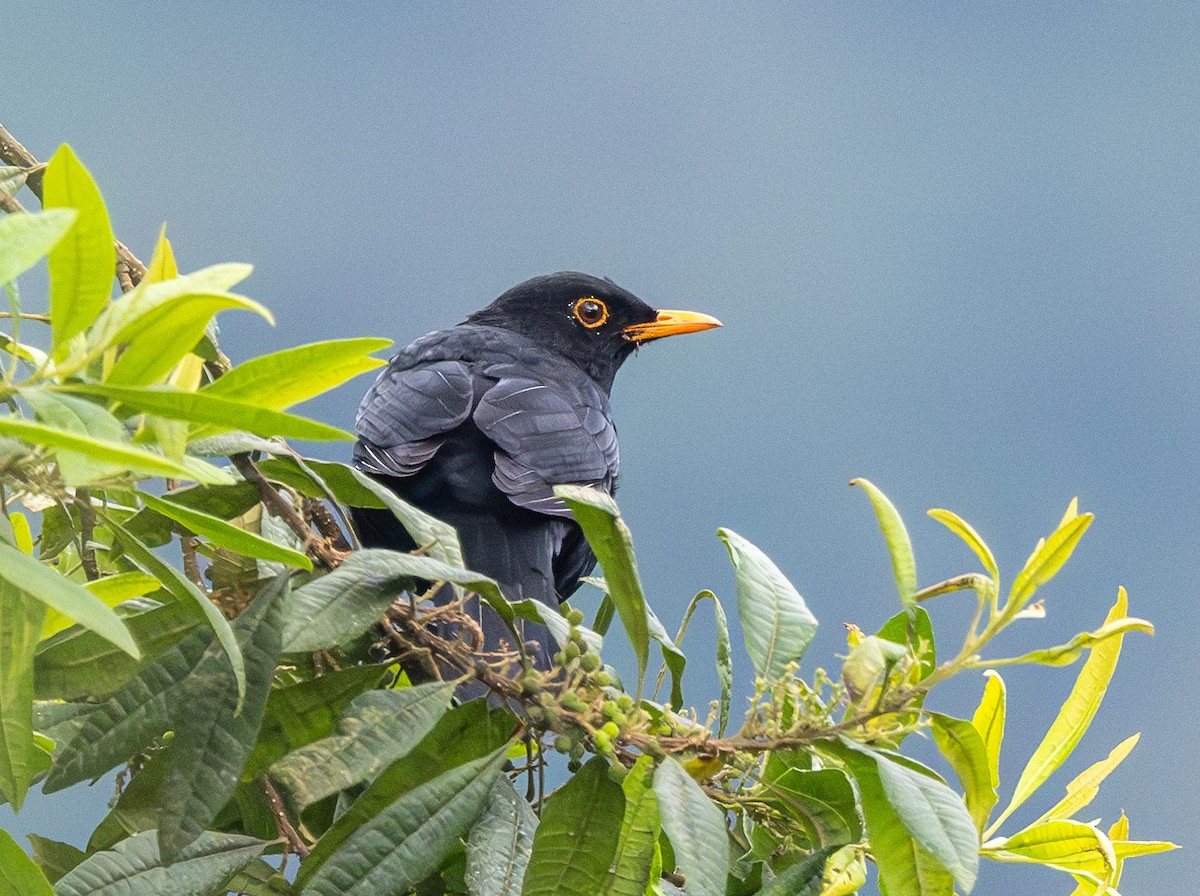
{"type": "Point", "coordinates": [776, 623]}
{"type": "Point", "coordinates": [576, 840]}
{"type": "Point", "coordinates": [82, 264]}
{"type": "Point", "coordinates": [696, 829]}
{"type": "Point", "coordinates": [176, 584]}
{"type": "Point", "coordinates": [24, 239]}
{"type": "Point", "coordinates": [77, 663]}
{"type": "Point", "coordinates": [408, 841]}
{"type": "Point", "coordinates": [376, 729]}
{"type": "Point", "coordinates": [282, 379]}
{"type": "Point", "coordinates": [213, 738]}
{"type": "Point", "coordinates": [905, 868]}
{"type": "Point", "coordinates": [225, 534]}
{"type": "Point", "coordinates": [67, 597]}
{"type": "Point", "coordinates": [128, 721]}
{"type": "Point", "coordinates": [904, 566]}
{"type": "Point", "coordinates": [20, 625]}
{"type": "Point", "coordinates": [222, 413]}
{"type": "Point", "coordinates": [610, 539]}
{"type": "Point", "coordinates": [134, 867]}
{"type": "Point", "coordinates": [162, 263]}
{"type": "Point", "coordinates": [1084, 787]}
{"type": "Point", "coordinates": [1048, 558]}
{"type": "Point", "coordinates": [466, 733]}
{"type": "Point", "coordinates": [929, 810]}
{"type": "Point", "coordinates": [55, 858]}
{"type": "Point", "coordinates": [638, 840]}
{"type": "Point", "coordinates": [822, 801]}
{"type": "Point", "coordinates": [133, 459]}
{"type": "Point", "coordinates": [673, 658]}
{"type": "Point", "coordinates": [111, 590]}
{"type": "Point", "coordinates": [500, 843]}
{"type": "Point", "coordinates": [427, 531]}
{"type": "Point", "coordinates": [307, 711]}
{"type": "Point", "coordinates": [19, 876]}
{"type": "Point", "coordinates": [1073, 718]}
{"type": "Point", "coordinates": [346, 602]}
{"type": "Point", "coordinates": [802, 879]}
{"type": "Point", "coordinates": [318, 479]}
{"type": "Point", "coordinates": [963, 530]}
{"type": "Point", "coordinates": [66, 412]}
{"type": "Point", "coordinates": [964, 749]}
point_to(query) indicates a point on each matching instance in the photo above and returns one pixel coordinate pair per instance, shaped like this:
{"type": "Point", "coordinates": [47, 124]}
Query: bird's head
{"type": "Point", "coordinates": [590, 321]}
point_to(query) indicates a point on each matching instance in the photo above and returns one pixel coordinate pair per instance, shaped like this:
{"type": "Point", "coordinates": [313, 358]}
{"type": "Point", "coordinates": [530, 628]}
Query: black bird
{"type": "Point", "coordinates": [475, 425]}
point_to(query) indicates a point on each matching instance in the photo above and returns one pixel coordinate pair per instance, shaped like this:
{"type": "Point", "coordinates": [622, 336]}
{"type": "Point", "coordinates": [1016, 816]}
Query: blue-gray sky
{"type": "Point", "coordinates": [954, 247]}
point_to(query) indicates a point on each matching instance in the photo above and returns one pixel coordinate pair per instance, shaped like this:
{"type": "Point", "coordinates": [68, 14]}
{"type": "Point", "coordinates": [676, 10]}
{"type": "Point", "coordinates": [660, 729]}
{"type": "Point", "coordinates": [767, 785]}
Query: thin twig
{"type": "Point", "coordinates": [286, 829]}
{"type": "Point", "coordinates": [87, 527]}
{"type": "Point", "coordinates": [279, 506]}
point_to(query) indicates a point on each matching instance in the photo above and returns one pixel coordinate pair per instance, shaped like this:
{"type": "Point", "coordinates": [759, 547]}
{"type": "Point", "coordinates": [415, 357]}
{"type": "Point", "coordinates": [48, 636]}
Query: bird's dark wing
{"type": "Point", "coordinates": [549, 430]}
{"type": "Point", "coordinates": [404, 418]}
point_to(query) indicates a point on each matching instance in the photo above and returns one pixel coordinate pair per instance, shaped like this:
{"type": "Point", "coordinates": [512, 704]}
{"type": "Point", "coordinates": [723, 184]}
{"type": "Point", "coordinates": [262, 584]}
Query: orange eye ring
{"type": "Point", "coordinates": [590, 312]}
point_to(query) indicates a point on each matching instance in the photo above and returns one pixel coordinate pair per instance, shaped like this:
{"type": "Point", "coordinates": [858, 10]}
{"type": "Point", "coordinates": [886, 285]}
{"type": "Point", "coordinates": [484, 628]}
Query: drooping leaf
{"type": "Point", "coordinates": [213, 738]}
{"type": "Point", "coordinates": [225, 534]}
{"type": "Point", "coordinates": [1074, 717]}
{"type": "Point", "coordinates": [20, 624]}
{"type": "Point", "coordinates": [576, 840]}
{"type": "Point", "coordinates": [638, 840]}
{"type": "Point", "coordinates": [19, 876]}
{"type": "Point", "coordinates": [12, 178]}
{"type": "Point", "coordinates": [776, 622]}
{"type": "Point", "coordinates": [405, 843]}
{"type": "Point", "coordinates": [500, 843]}
{"type": "Point", "coordinates": [83, 263]}
{"type": "Point", "coordinates": [220, 413]}
{"type": "Point", "coordinates": [376, 729]}
{"type": "Point", "coordinates": [282, 379]}
{"type": "Point", "coordinates": [134, 867]}
{"type": "Point", "coordinates": [610, 539]}
{"type": "Point", "coordinates": [62, 594]}
{"type": "Point", "coordinates": [904, 566]}
{"type": "Point", "coordinates": [696, 829]}
{"type": "Point", "coordinates": [1065, 654]}
{"type": "Point", "coordinates": [963, 747]}
{"type": "Point", "coordinates": [673, 658]}
{"type": "Point", "coordinates": [121, 454]}
{"type": "Point", "coordinates": [427, 531]}
{"type": "Point", "coordinates": [24, 239]}
{"type": "Point", "coordinates": [176, 584]}
{"type": "Point", "coordinates": [346, 602]}
{"type": "Point", "coordinates": [905, 868]}
{"type": "Point", "coordinates": [963, 530]}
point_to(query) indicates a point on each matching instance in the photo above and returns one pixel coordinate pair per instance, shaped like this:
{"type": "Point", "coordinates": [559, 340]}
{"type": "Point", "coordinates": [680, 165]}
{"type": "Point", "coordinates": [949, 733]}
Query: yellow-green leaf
{"type": "Point", "coordinates": [1083, 789]}
{"type": "Point", "coordinates": [961, 744]}
{"type": "Point", "coordinates": [1065, 654]}
{"type": "Point", "coordinates": [1049, 556]}
{"type": "Point", "coordinates": [1074, 716]}
{"type": "Point", "coordinates": [904, 565]}
{"type": "Point", "coordinates": [1063, 844]}
{"type": "Point", "coordinates": [24, 239]}
{"type": "Point", "coordinates": [84, 262]}
{"type": "Point", "coordinates": [162, 262]}
{"type": "Point", "coordinates": [989, 721]}
{"type": "Point", "coordinates": [963, 530]}
{"type": "Point", "coordinates": [111, 590]}
{"type": "Point", "coordinates": [225, 534]}
{"type": "Point", "coordinates": [134, 459]}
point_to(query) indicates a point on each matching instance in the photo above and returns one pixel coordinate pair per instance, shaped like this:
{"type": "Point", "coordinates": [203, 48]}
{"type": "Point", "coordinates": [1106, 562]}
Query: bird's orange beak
{"type": "Point", "coordinates": [670, 323]}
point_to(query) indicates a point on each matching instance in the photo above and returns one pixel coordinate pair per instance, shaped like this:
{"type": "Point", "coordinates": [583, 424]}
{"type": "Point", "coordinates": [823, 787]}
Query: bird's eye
{"type": "Point", "coordinates": [590, 312]}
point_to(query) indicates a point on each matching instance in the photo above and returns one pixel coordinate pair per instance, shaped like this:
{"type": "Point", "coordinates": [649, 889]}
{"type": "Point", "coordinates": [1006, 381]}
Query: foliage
{"type": "Point", "coordinates": [244, 696]}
